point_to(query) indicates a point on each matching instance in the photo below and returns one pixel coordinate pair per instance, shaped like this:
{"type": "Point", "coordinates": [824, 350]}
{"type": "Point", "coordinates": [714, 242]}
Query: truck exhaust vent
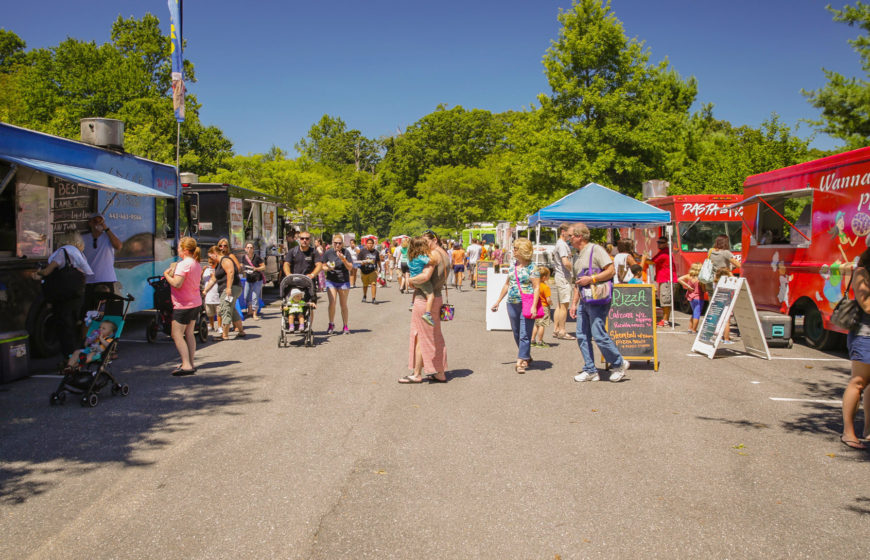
{"type": "Point", "coordinates": [655, 189]}
{"type": "Point", "coordinates": [105, 133]}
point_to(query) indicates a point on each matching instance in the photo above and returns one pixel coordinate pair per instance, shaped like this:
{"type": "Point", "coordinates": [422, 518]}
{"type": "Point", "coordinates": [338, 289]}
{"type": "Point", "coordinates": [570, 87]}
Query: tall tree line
{"type": "Point", "coordinates": [612, 116]}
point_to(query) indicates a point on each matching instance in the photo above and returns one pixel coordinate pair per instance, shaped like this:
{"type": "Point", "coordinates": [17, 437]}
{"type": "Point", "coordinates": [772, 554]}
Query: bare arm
{"type": "Point", "coordinates": [231, 273]}
{"type": "Point", "coordinates": [502, 294]}
{"type": "Point", "coordinates": [113, 239]}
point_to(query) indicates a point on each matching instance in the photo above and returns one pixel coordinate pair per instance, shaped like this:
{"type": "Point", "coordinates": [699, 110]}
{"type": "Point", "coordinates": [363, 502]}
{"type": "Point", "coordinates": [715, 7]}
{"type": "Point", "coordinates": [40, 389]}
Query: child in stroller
{"type": "Point", "coordinates": [297, 307]}
{"type": "Point", "coordinates": [87, 369]}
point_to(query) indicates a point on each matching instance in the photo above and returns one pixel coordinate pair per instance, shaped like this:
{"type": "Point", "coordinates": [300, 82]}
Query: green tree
{"type": "Point", "coordinates": [330, 143]}
{"type": "Point", "coordinates": [11, 50]}
{"type": "Point", "coordinates": [845, 102]}
{"type": "Point", "coordinates": [615, 118]}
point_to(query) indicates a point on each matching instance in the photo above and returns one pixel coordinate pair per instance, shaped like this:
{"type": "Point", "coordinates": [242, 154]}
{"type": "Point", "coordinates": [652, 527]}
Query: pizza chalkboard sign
{"type": "Point", "coordinates": [72, 205]}
{"type": "Point", "coordinates": [631, 322]}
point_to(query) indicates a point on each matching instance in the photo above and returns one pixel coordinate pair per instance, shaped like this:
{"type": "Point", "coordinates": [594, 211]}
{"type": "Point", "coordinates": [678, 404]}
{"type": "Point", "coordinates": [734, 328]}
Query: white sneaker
{"type": "Point", "coordinates": [619, 373]}
{"type": "Point", "coordinates": [586, 376]}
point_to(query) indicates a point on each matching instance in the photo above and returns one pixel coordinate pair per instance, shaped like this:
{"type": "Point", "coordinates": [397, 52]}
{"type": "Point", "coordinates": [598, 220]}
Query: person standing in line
{"type": "Point", "coordinates": [592, 266]}
{"type": "Point", "coordinates": [458, 265]}
{"type": "Point", "coordinates": [427, 349]}
{"type": "Point", "coordinates": [564, 286]}
{"type": "Point", "coordinates": [253, 293]}
{"type": "Point", "coordinates": [403, 265]}
{"type": "Point", "coordinates": [100, 244]}
{"type": "Point", "coordinates": [721, 256]}
{"type": "Point", "coordinates": [67, 312]}
{"type": "Point", "coordinates": [226, 276]}
{"type": "Point", "coordinates": [664, 278]}
{"type": "Point", "coordinates": [692, 285]}
{"type": "Point", "coordinates": [473, 256]}
{"type": "Point", "coordinates": [623, 261]}
{"type": "Point", "coordinates": [212, 297]}
{"type": "Point", "coordinates": [497, 257]}
{"type": "Point", "coordinates": [184, 279]}
{"type": "Point", "coordinates": [522, 278]}
{"type": "Point", "coordinates": [369, 263]}
{"type": "Point", "coordinates": [858, 342]}
{"type": "Point", "coordinates": [338, 263]}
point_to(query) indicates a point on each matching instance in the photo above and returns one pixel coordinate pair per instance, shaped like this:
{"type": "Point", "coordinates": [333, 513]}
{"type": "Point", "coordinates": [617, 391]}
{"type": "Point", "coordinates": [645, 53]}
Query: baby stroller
{"type": "Point", "coordinates": [303, 283]}
{"type": "Point", "coordinates": [88, 379]}
{"type": "Point", "coordinates": [162, 321]}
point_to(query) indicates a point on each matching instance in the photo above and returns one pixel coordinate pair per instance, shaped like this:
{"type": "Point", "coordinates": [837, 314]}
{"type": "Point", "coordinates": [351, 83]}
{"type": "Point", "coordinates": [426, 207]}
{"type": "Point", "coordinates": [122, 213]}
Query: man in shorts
{"type": "Point", "coordinates": [370, 260]}
{"type": "Point", "coordinates": [564, 288]}
{"type": "Point", "coordinates": [473, 256]}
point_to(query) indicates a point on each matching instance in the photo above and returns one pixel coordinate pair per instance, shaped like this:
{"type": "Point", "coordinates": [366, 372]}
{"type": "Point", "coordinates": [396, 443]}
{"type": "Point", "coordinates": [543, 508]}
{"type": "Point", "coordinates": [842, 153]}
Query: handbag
{"type": "Point", "coordinates": [528, 299]}
{"type": "Point", "coordinates": [707, 274]}
{"type": "Point", "coordinates": [64, 283]}
{"type": "Point", "coordinates": [598, 293]}
{"type": "Point", "coordinates": [847, 311]}
{"type": "Point", "coordinates": [447, 311]}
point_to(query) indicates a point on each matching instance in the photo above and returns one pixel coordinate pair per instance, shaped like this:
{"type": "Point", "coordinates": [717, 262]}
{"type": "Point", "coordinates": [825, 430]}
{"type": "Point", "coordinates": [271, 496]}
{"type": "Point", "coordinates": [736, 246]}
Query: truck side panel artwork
{"type": "Point", "coordinates": [802, 225]}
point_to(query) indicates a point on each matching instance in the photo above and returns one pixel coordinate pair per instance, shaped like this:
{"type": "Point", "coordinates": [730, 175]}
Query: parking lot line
{"type": "Point", "coordinates": [817, 401]}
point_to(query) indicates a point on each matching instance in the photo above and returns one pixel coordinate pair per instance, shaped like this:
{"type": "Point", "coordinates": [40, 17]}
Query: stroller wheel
{"type": "Point", "coordinates": [151, 331]}
{"type": "Point", "coordinates": [202, 326]}
{"type": "Point", "coordinates": [90, 399]}
{"type": "Point", "coordinates": [125, 390]}
{"type": "Point", "coordinates": [58, 398]}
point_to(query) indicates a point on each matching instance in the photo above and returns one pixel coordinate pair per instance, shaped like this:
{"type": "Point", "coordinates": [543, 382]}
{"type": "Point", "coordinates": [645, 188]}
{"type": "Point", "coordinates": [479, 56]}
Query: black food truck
{"type": "Point", "coordinates": [212, 211]}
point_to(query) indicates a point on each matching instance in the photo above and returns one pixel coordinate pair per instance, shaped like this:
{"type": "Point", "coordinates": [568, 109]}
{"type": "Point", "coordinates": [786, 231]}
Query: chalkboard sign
{"type": "Point", "coordinates": [72, 205]}
{"type": "Point", "coordinates": [631, 322]}
{"type": "Point", "coordinates": [482, 274]}
{"type": "Point", "coordinates": [717, 317]}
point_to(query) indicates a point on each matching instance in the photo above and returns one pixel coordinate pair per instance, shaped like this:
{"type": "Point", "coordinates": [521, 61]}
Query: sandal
{"type": "Point", "coordinates": [410, 379]}
{"type": "Point", "coordinates": [853, 443]}
{"type": "Point", "coordinates": [520, 369]}
{"type": "Point", "coordinates": [432, 379]}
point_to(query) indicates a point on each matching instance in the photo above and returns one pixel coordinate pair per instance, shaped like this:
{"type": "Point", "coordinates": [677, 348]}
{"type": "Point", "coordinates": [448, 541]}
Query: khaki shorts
{"type": "Point", "coordinates": [563, 292]}
{"type": "Point", "coordinates": [545, 320]}
{"type": "Point", "coordinates": [665, 293]}
{"type": "Point", "coordinates": [369, 278]}
{"type": "Point", "coordinates": [211, 310]}
{"type": "Point", "coordinates": [228, 311]}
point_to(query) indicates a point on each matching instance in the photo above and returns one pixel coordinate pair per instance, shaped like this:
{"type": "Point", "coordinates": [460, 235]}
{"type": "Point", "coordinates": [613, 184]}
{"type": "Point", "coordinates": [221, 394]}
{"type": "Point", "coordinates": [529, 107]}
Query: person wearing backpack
{"type": "Point", "coordinates": [63, 288]}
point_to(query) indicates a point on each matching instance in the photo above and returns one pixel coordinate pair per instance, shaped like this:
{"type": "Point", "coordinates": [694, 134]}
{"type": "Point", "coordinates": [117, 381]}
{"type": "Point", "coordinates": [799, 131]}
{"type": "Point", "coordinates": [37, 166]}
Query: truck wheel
{"type": "Point", "coordinates": [680, 302]}
{"type": "Point", "coordinates": [42, 338]}
{"type": "Point", "coordinates": [815, 333]}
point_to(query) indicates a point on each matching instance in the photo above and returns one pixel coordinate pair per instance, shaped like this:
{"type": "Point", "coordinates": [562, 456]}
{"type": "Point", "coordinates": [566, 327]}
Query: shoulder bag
{"type": "Point", "coordinates": [847, 311]}
{"type": "Point", "coordinates": [528, 299]}
{"type": "Point", "coordinates": [707, 274]}
{"type": "Point", "coordinates": [447, 310]}
{"type": "Point", "coordinates": [598, 293]}
{"type": "Point", "coordinates": [64, 283]}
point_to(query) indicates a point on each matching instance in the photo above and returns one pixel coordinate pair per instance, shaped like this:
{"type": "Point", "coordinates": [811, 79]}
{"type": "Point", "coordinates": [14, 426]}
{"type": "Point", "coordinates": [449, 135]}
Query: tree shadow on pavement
{"type": "Point", "coordinates": [748, 424]}
{"type": "Point", "coordinates": [43, 444]}
{"type": "Point", "coordinates": [861, 506]}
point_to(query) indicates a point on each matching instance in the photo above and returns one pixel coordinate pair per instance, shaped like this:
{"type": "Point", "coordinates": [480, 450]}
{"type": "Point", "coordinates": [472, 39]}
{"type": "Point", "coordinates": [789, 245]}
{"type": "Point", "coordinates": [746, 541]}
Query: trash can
{"type": "Point", "coordinates": [14, 356]}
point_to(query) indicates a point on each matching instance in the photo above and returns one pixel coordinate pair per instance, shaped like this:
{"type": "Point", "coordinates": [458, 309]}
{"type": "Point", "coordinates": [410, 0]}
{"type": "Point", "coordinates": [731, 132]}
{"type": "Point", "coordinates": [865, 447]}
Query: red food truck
{"type": "Point", "coordinates": [802, 225]}
{"type": "Point", "coordinates": [699, 219]}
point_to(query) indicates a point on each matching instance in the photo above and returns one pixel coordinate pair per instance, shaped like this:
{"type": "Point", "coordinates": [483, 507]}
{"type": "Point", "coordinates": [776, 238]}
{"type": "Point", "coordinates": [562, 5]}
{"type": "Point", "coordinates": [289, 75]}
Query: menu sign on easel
{"type": "Point", "coordinates": [732, 297]}
{"type": "Point", "coordinates": [72, 205]}
{"type": "Point", "coordinates": [482, 273]}
{"type": "Point", "coordinates": [631, 322]}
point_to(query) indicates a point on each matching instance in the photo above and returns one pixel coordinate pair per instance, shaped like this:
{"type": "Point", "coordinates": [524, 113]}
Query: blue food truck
{"type": "Point", "coordinates": [49, 185]}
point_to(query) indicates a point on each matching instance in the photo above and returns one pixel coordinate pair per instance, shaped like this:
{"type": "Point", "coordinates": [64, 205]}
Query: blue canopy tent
{"type": "Point", "coordinates": [598, 206]}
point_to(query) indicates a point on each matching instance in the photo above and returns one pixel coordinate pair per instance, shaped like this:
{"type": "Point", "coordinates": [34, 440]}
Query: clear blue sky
{"type": "Point", "coordinates": [268, 70]}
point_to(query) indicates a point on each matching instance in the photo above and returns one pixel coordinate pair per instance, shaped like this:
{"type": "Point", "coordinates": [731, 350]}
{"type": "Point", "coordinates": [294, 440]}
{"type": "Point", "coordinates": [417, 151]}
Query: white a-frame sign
{"type": "Point", "coordinates": [732, 295]}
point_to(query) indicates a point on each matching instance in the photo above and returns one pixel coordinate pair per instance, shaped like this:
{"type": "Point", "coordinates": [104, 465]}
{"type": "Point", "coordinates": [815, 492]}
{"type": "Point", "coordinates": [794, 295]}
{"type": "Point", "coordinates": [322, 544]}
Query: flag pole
{"type": "Point", "coordinates": [177, 184]}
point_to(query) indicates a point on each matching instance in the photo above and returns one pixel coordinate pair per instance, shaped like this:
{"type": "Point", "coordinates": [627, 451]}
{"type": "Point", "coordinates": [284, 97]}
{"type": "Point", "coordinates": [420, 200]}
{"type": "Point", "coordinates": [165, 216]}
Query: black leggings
{"type": "Point", "coordinates": [66, 320]}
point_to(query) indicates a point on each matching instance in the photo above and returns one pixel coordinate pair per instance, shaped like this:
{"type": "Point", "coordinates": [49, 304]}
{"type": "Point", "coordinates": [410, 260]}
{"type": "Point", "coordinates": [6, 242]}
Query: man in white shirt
{"type": "Point", "coordinates": [562, 277]}
{"type": "Point", "coordinates": [473, 255]}
{"type": "Point", "coordinates": [100, 246]}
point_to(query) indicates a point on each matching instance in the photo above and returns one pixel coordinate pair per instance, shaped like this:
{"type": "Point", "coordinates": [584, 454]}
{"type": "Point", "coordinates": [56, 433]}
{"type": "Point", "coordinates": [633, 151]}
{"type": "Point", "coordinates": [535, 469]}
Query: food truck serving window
{"type": "Point", "coordinates": [699, 236]}
{"type": "Point", "coordinates": [785, 219]}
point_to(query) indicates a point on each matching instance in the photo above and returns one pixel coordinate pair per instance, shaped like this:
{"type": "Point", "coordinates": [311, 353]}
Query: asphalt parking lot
{"type": "Point", "coordinates": [317, 452]}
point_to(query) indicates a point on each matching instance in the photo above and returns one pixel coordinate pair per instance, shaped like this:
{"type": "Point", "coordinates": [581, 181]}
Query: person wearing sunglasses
{"type": "Point", "coordinates": [303, 259]}
{"type": "Point", "coordinates": [100, 244]}
{"type": "Point", "coordinates": [338, 264]}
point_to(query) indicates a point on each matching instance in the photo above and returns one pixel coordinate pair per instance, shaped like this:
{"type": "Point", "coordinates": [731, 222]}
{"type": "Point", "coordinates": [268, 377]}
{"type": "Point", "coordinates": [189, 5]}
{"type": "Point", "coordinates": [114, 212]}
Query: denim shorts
{"type": "Point", "coordinates": [337, 286]}
{"type": "Point", "coordinates": [859, 348]}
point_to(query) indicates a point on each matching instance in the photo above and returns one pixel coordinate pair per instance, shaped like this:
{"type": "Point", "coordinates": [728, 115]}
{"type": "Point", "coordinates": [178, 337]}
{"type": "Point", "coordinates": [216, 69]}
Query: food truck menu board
{"type": "Point", "coordinates": [72, 205]}
{"type": "Point", "coordinates": [732, 295]}
{"type": "Point", "coordinates": [631, 322]}
{"type": "Point", "coordinates": [237, 224]}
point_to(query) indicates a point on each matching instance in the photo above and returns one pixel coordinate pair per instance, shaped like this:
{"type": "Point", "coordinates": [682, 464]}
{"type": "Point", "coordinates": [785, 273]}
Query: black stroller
{"type": "Point", "coordinates": [88, 379]}
{"type": "Point", "coordinates": [306, 285]}
{"type": "Point", "coordinates": [162, 321]}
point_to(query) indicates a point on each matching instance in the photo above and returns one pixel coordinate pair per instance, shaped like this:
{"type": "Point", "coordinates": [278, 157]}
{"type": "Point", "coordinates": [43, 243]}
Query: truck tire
{"type": "Point", "coordinates": [681, 304]}
{"type": "Point", "coordinates": [40, 325]}
{"type": "Point", "coordinates": [815, 334]}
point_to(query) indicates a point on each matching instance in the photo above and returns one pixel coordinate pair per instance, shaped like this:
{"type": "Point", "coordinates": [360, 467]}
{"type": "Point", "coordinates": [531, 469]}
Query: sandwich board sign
{"type": "Point", "coordinates": [631, 322]}
{"type": "Point", "coordinates": [732, 296]}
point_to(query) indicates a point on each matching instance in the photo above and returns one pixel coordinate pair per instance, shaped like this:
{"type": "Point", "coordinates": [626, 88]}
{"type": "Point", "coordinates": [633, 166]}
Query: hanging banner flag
{"type": "Point", "coordinates": [175, 11]}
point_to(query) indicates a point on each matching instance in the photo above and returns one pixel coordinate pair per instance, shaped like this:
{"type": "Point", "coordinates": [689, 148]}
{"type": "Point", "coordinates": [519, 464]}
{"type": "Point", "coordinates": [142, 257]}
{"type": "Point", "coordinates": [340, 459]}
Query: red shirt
{"type": "Point", "coordinates": [662, 262]}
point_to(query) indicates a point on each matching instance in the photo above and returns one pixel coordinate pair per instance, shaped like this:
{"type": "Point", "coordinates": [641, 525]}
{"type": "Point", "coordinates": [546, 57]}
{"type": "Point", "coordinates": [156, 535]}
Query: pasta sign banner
{"type": "Point", "coordinates": [175, 11]}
